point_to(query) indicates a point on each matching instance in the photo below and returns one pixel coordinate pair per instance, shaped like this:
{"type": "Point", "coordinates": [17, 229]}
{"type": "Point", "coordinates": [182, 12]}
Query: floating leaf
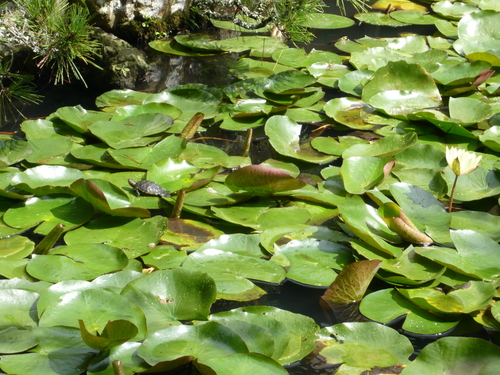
{"type": "Point", "coordinates": [114, 333]}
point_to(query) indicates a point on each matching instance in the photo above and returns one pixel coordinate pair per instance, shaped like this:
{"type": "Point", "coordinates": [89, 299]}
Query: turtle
{"type": "Point", "coordinates": [146, 187]}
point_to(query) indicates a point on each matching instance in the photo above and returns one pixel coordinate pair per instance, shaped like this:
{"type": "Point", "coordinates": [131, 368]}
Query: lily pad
{"type": "Point", "coordinates": [284, 136]}
{"type": "Point", "coordinates": [77, 262]}
{"type": "Point", "coordinates": [469, 354]}
{"type": "Point", "coordinates": [325, 21]}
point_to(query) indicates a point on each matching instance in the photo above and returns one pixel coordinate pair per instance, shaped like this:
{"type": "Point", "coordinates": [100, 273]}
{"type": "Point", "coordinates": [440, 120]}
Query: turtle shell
{"type": "Point", "coordinates": [146, 187]}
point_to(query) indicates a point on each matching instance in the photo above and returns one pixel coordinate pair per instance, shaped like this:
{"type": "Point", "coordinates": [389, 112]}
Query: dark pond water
{"type": "Point", "coordinates": [172, 71]}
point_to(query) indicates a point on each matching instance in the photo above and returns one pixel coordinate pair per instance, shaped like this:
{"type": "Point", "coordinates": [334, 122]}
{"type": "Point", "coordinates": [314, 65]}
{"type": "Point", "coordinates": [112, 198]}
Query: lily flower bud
{"type": "Point", "coordinates": [461, 161]}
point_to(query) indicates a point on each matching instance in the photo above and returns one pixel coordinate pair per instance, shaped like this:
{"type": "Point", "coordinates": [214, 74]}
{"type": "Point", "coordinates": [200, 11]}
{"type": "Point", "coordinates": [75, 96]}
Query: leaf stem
{"type": "Point", "coordinates": [452, 194]}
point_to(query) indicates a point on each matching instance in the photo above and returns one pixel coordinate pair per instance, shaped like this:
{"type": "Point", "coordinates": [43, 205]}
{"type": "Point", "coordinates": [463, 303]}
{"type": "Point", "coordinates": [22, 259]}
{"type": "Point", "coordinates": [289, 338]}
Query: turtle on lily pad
{"type": "Point", "coordinates": [146, 187]}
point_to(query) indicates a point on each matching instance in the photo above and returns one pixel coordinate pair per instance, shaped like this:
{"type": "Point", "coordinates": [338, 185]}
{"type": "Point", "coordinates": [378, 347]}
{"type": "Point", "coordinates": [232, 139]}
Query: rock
{"type": "Point", "coordinates": [112, 14]}
{"type": "Point", "coordinates": [123, 66]}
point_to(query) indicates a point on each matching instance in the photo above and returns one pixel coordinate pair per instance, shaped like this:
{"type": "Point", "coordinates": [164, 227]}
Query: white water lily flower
{"type": "Point", "coordinates": [461, 161]}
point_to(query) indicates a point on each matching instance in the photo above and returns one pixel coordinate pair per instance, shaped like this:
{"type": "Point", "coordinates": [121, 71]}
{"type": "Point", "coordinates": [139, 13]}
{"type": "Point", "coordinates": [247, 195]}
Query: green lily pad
{"type": "Point", "coordinates": [360, 174]}
{"type": "Point", "coordinates": [464, 73]}
{"type": "Point", "coordinates": [245, 43]}
{"type": "Point", "coordinates": [284, 136]}
{"type": "Point", "coordinates": [126, 353]}
{"type": "Point", "coordinates": [414, 17]}
{"type": "Point", "coordinates": [96, 308]}
{"type": "Point", "coordinates": [361, 347]}
{"type": "Point", "coordinates": [469, 354]}
{"type": "Point", "coordinates": [324, 256]}
{"type": "Point", "coordinates": [325, 21]}
{"type": "Point", "coordinates": [243, 363]}
{"type": "Point", "coordinates": [380, 19]}
{"type": "Point", "coordinates": [46, 151]}
{"type": "Point", "coordinates": [227, 267]}
{"type": "Point", "coordinates": [481, 222]}
{"type": "Point", "coordinates": [135, 110]}
{"type": "Point", "coordinates": [478, 184]}
{"type": "Point", "coordinates": [15, 248]}
{"type": "Point", "coordinates": [417, 319]}
{"type": "Point", "coordinates": [401, 88]}
{"type": "Point", "coordinates": [13, 151]}
{"type": "Point", "coordinates": [172, 47]}
{"type": "Point", "coordinates": [476, 254]}
{"type": "Point", "coordinates": [77, 262]}
{"type": "Point", "coordinates": [491, 138]}
{"type": "Point", "coordinates": [133, 236]}
{"type": "Point", "coordinates": [120, 98]}
{"type": "Point", "coordinates": [164, 257]}
{"type": "Point", "coordinates": [46, 179]}
{"type": "Point", "coordinates": [167, 296]}
{"type": "Point", "coordinates": [132, 131]}
{"type": "Point", "coordinates": [249, 68]}
{"type": "Point", "coordinates": [107, 198]}
{"type": "Point", "coordinates": [18, 308]}
{"type": "Point", "coordinates": [441, 121]}
{"type": "Point", "coordinates": [469, 110]}
{"type": "Point", "coordinates": [78, 118]}
{"type": "Point", "coordinates": [383, 148]}
{"type": "Point", "coordinates": [364, 221]}
{"type": "Point", "coordinates": [68, 211]}
{"type": "Point", "coordinates": [114, 333]}
{"type": "Point", "coordinates": [60, 350]}
{"type": "Point", "coordinates": [453, 10]}
{"type": "Point", "coordinates": [478, 32]}
{"type": "Point", "coordinates": [16, 340]}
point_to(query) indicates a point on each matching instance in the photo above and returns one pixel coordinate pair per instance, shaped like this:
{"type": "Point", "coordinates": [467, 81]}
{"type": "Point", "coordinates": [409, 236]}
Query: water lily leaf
{"type": "Point", "coordinates": [43, 128]}
{"type": "Point", "coordinates": [13, 151]}
{"type": "Point", "coordinates": [145, 157]}
{"type": "Point", "coordinates": [460, 74]}
{"type": "Point", "coordinates": [421, 207]}
{"type": "Point", "coordinates": [68, 211]}
{"type": "Point", "coordinates": [351, 112]}
{"type": "Point", "coordinates": [259, 215]}
{"type": "Point", "coordinates": [324, 256]}
{"type": "Point", "coordinates": [478, 31]}
{"type": "Point", "coordinates": [16, 340]}
{"type": "Point", "coordinates": [351, 283]}
{"type": "Point", "coordinates": [443, 122]}
{"type": "Point", "coordinates": [77, 262]}
{"type": "Point", "coordinates": [133, 236]}
{"type": "Point", "coordinates": [481, 222]}
{"type": "Point", "coordinates": [15, 248]}
{"type": "Point", "coordinates": [46, 179]}
{"type": "Point", "coordinates": [491, 138]}
{"type": "Point", "coordinates": [330, 145]}
{"type": "Point", "coordinates": [243, 363]}
{"type": "Point", "coordinates": [52, 294]}
{"type": "Point", "coordinates": [126, 353]}
{"type": "Point", "coordinates": [221, 264]}
{"type": "Point", "coordinates": [135, 110]}
{"type": "Point", "coordinates": [417, 319]}
{"type": "Point", "coordinates": [172, 47]}
{"type": "Point", "coordinates": [469, 110]}
{"type": "Point", "coordinates": [360, 174]}
{"type": "Point", "coordinates": [476, 254]}
{"type": "Point", "coordinates": [473, 186]}
{"type": "Point", "coordinates": [249, 68]}
{"type": "Point", "coordinates": [188, 234]}
{"type": "Point", "coordinates": [294, 333]}
{"type": "Point", "coordinates": [120, 98]}
{"type": "Point", "coordinates": [245, 43]}
{"type": "Point", "coordinates": [325, 21]}
{"type": "Point", "coordinates": [381, 19]}
{"type": "Point", "coordinates": [114, 333]}
{"type": "Point", "coordinates": [18, 308]}
{"type": "Point", "coordinates": [203, 341]}
{"type": "Point", "coordinates": [191, 99]}
{"type": "Point", "coordinates": [164, 257]}
{"type": "Point", "coordinates": [97, 154]}
{"type": "Point", "coordinates": [383, 148]}
{"type": "Point", "coordinates": [469, 354]}
{"type": "Point", "coordinates": [107, 198]}
{"type": "Point", "coordinates": [452, 10]}
{"type": "Point", "coordinates": [287, 82]}
{"type": "Point", "coordinates": [353, 82]}
{"type": "Point", "coordinates": [167, 296]}
{"type": "Point", "coordinates": [96, 307]}
{"type": "Point", "coordinates": [132, 131]}
{"type": "Point", "coordinates": [46, 151]}
{"type": "Point", "coordinates": [78, 118]}
{"type": "Point", "coordinates": [284, 136]}
{"type": "Point", "coordinates": [362, 347]}
{"type": "Point", "coordinates": [414, 17]}
{"type": "Point", "coordinates": [14, 268]}
{"type": "Point", "coordinates": [60, 351]}
{"type": "Point", "coordinates": [262, 180]}
{"type": "Point", "coordinates": [400, 88]}
{"type": "Point", "coordinates": [198, 42]}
